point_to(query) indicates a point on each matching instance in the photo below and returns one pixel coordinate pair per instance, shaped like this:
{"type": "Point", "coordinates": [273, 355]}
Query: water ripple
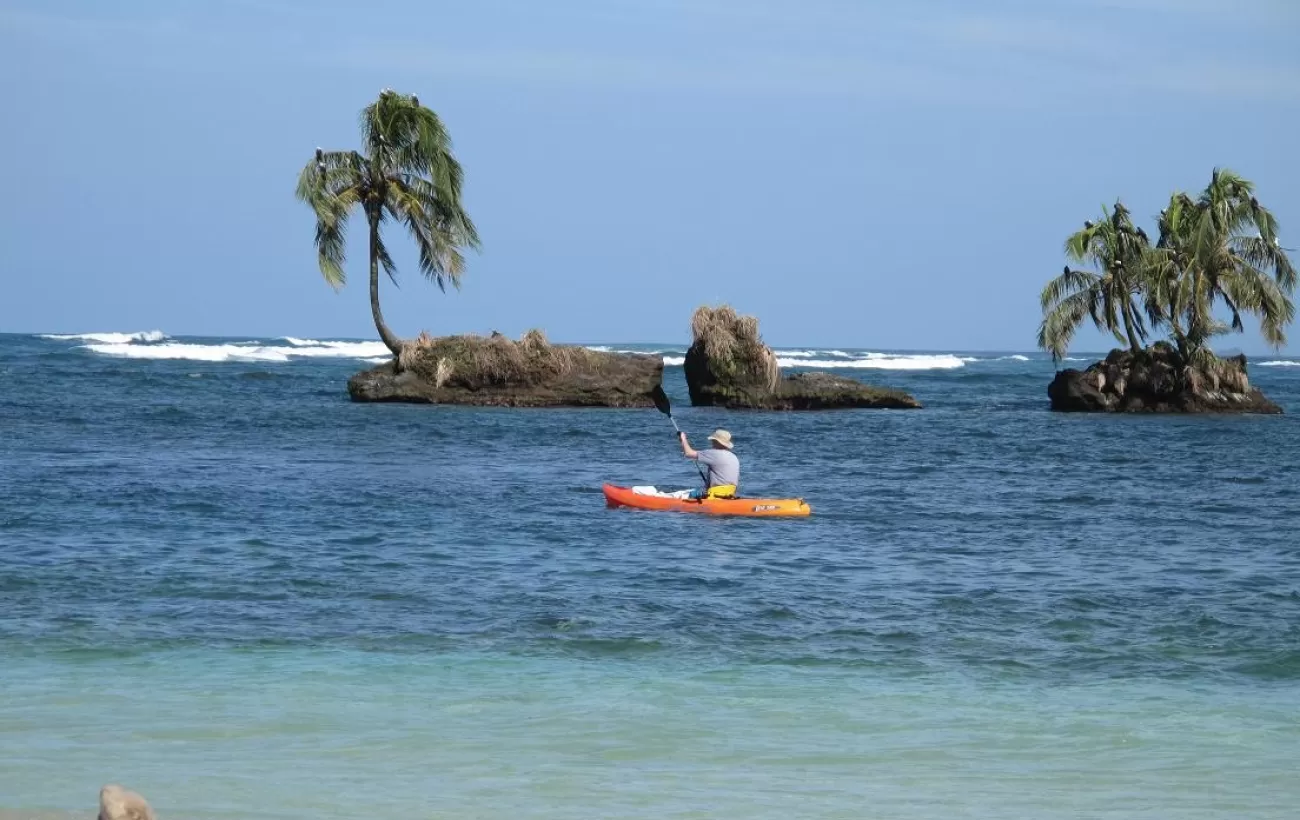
{"type": "Point", "coordinates": [142, 511]}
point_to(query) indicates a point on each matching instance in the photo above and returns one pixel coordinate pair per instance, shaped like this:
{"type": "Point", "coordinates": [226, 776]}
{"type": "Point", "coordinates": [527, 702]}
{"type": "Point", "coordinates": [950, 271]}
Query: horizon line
{"type": "Point", "coordinates": [1228, 351]}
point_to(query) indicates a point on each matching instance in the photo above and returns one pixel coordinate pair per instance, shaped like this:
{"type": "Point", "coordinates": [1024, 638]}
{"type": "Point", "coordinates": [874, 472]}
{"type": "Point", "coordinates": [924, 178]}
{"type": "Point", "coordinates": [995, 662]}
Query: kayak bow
{"type": "Point", "coordinates": [752, 507]}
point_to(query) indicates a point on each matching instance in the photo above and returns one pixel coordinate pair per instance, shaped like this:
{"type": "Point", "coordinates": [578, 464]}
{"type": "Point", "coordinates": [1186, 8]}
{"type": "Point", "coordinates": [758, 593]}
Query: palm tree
{"type": "Point", "coordinates": [1222, 247]}
{"type": "Point", "coordinates": [406, 173]}
{"type": "Point", "coordinates": [1122, 253]}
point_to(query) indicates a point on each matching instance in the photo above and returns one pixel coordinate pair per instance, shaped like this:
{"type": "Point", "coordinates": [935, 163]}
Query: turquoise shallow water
{"type": "Point", "coordinates": [226, 586]}
{"type": "Point", "coordinates": [300, 733]}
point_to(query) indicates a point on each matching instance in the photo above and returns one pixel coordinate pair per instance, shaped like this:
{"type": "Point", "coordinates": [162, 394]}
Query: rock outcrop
{"type": "Point", "coordinates": [1156, 380]}
{"type": "Point", "coordinates": [496, 371]}
{"type": "Point", "coordinates": [728, 365]}
{"type": "Point", "coordinates": [117, 803]}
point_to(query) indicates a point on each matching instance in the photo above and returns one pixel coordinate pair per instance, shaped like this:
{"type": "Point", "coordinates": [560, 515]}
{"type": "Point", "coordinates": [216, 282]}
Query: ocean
{"type": "Point", "coordinates": [225, 586]}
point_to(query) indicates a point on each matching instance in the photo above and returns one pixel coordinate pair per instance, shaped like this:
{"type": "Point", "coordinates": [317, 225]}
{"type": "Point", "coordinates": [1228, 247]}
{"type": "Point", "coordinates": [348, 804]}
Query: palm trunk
{"type": "Point", "coordinates": [1133, 342]}
{"type": "Point", "coordinates": [385, 335]}
{"type": "Point", "coordinates": [1176, 329]}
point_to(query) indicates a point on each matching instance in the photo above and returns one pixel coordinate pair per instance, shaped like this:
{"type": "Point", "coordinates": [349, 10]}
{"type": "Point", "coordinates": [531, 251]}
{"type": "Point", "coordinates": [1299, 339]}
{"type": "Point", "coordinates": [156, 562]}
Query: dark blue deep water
{"type": "Point", "coordinates": [222, 575]}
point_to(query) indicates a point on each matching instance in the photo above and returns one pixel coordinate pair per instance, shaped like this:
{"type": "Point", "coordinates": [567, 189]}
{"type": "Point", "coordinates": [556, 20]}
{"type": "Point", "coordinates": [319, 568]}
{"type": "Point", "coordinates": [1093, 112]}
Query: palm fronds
{"type": "Point", "coordinates": [406, 173]}
{"type": "Point", "coordinates": [1217, 254]}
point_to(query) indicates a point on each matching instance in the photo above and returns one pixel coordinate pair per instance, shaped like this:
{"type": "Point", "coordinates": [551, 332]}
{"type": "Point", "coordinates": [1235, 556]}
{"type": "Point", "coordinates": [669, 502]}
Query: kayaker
{"type": "Point", "coordinates": [722, 468]}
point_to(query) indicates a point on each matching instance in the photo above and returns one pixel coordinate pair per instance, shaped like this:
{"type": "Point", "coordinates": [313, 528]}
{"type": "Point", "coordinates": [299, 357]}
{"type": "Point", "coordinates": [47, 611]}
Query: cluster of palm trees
{"type": "Point", "coordinates": [1216, 259]}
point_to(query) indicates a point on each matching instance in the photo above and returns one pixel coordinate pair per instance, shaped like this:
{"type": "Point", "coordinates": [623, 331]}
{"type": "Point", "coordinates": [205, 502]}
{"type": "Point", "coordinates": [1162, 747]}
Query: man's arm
{"type": "Point", "coordinates": [686, 447]}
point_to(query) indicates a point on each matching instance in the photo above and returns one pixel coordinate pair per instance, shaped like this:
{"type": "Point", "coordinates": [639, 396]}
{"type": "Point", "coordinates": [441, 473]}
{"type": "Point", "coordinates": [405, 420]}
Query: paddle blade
{"type": "Point", "coordinates": [660, 399]}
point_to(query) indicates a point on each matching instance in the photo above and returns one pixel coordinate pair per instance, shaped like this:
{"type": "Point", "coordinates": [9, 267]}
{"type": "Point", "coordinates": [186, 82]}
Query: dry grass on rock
{"type": "Point", "coordinates": [732, 342]}
{"type": "Point", "coordinates": [472, 362]}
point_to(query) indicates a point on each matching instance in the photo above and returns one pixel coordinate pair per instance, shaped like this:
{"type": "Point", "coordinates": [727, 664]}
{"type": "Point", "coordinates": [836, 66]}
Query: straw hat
{"type": "Point", "coordinates": [722, 437]}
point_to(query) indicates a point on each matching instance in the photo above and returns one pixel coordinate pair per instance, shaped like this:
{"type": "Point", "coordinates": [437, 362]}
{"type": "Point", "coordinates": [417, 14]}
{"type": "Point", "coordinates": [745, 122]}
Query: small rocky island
{"type": "Point", "coordinates": [1156, 380]}
{"type": "Point", "coordinates": [400, 187]}
{"type": "Point", "coordinates": [728, 365]}
{"type": "Point", "coordinates": [500, 372]}
{"type": "Point", "coordinates": [1216, 256]}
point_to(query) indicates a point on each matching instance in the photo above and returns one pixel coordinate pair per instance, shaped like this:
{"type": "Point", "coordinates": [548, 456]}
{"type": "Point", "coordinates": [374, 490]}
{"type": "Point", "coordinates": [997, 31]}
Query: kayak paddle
{"type": "Point", "coordinates": [662, 404]}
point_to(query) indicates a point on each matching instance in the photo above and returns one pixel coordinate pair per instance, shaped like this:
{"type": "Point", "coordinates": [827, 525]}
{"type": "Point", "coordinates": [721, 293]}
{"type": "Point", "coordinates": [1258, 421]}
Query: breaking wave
{"type": "Point", "coordinates": [250, 351]}
{"type": "Point", "coordinates": [1279, 363]}
{"type": "Point", "coordinates": [880, 361]}
{"type": "Point", "coordinates": [608, 349]}
{"type": "Point", "coordinates": [863, 361]}
{"type": "Point", "coordinates": [146, 336]}
{"type": "Point", "coordinates": [157, 345]}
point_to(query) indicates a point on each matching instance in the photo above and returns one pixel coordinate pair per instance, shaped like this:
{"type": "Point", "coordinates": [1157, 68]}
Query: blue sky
{"type": "Point", "coordinates": [888, 175]}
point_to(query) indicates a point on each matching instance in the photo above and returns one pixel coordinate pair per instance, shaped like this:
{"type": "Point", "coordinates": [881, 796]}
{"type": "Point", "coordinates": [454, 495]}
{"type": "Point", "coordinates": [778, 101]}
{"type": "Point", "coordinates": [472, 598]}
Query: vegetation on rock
{"type": "Point", "coordinates": [728, 365]}
{"type": "Point", "coordinates": [1215, 257]}
{"type": "Point", "coordinates": [733, 347]}
{"type": "Point", "coordinates": [473, 362]}
{"type": "Point", "coordinates": [405, 173]}
{"type": "Point", "coordinates": [497, 371]}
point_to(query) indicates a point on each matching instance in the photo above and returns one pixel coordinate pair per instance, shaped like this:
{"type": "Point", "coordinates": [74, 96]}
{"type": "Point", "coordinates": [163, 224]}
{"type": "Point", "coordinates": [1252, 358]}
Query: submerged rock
{"type": "Point", "coordinates": [824, 391]}
{"type": "Point", "coordinates": [728, 365]}
{"type": "Point", "coordinates": [496, 371]}
{"type": "Point", "coordinates": [117, 803]}
{"type": "Point", "coordinates": [1156, 380]}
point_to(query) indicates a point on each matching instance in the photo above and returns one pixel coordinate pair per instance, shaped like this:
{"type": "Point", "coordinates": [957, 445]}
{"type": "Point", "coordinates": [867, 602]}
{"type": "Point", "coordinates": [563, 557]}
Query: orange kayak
{"type": "Point", "coordinates": [753, 507]}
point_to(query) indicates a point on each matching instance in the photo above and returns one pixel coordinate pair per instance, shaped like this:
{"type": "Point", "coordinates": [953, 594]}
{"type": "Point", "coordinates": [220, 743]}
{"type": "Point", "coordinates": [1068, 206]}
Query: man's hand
{"type": "Point", "coordinates": [686, 447]}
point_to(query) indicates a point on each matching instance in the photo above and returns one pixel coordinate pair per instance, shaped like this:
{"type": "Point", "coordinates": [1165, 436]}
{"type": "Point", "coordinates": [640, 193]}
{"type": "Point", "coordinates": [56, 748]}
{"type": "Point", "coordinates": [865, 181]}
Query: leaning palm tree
{"type": "Point", "coordinates": [405, 173]}
{"type": "Point", "coordinates": [1121, 253]}
{"type": "Point", "coordinates": [1223, 248]}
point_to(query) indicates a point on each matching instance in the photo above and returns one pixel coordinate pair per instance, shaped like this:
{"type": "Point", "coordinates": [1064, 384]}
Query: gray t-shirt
{"type": "Point", "coordinates": [720, 466]}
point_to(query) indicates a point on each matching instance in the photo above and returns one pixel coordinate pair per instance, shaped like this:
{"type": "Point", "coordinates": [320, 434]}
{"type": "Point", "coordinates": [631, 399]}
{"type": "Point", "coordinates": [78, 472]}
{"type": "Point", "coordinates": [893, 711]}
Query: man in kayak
{"type": "Point", "coordinates": [721, 467]}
